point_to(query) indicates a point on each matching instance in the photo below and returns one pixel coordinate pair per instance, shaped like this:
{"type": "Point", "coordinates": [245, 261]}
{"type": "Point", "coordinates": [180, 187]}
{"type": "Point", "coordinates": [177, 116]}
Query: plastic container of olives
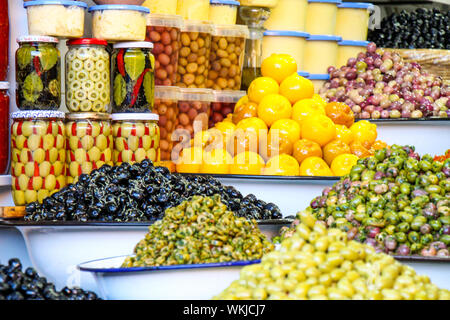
{"type": "Point", "coordinates": [89, 143]}
{"type": "Point", "coordinates": [136, 137]}
{"type": "Point", "coordinates": [193, 62]}
{"type": "Point", "coordinates": [227, 57]}
{"type": "Point", "coordinates": [38, 73]}
{"type": "Point", "coordinates": [133, 74]}
{"type": "Point", "coordinates": [38, 155]}
{"type": "Point", "coordinates": [87, 76]}
{"type": "Point", "coordinates": [164, 31]}
{"type": "Point", "coordinates": [166, 106]}
{"type": "Point", "coordinates": [223, 104]}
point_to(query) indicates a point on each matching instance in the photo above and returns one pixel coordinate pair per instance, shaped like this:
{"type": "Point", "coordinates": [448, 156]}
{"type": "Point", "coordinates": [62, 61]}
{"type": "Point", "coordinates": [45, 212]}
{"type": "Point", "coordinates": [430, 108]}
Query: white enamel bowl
{"type": "Point", "coordinates": [179, 282]}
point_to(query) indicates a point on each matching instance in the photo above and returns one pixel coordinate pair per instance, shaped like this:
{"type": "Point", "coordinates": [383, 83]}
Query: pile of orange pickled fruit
{"type": "Point", "coordinates": [282, 128]}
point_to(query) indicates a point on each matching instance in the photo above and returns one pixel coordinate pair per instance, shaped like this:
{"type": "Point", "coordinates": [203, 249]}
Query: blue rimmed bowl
{"type": "Point", "coordinates": [177, 282]}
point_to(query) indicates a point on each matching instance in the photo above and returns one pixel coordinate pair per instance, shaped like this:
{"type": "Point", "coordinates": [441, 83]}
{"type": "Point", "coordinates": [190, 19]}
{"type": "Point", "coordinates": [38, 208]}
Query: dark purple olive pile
{"type": "Point", "coordinates": [380, 84]}
{"type": "Point", "coordinates": [16, 284]}
{"type": "Point", "coordinates": [139, 192]}
{"type": "Point", "coordinates": [422, 28]}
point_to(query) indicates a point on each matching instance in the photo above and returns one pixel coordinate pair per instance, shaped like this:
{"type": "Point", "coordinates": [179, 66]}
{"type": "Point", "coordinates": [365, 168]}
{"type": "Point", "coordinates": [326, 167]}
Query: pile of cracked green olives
{"type": "Point", "coordinates": [395, 201]}
{"type": "Point", "coordinates": [317, 263]}
{"type": "Point", "coordinates": [199, 230]}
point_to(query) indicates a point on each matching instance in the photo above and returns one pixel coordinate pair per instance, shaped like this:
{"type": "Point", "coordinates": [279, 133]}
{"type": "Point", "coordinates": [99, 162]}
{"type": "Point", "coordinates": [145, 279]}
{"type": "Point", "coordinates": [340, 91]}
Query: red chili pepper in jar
{"type": "Point", "coordinates": [37, 65]}
{"type": "Point", "coordinates": [137, 87]}
{"type": "Point", "coordinates": [120, 62]}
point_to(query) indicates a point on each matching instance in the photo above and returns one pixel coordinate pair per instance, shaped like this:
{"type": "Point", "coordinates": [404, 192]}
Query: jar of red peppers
{"type": "Point", "coordinates": [133, 76]}
{"type": "Point", "coordinates": [166, 106]}
{"type": "Point", "coordinates": [223, 104]}
{"type": "Point", "coordinates": [164, 32]}
{"type": "Point", "coordinates": [89, 143]}
{"type": "Point", "coordinates": [38, 73]}
{"type": "Point", "coordinates": [38, 155]}
{"type": "Point", "coordinates": [4, 39]}
{"type": "Point", "coordinates": [4, 126]}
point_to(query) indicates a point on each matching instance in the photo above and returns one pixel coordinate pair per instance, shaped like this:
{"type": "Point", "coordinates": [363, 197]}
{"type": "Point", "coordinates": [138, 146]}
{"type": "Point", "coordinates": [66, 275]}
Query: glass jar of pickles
{"type": "Point", "coordinates": [89, 143]}
{"type": "Point", "coordinates": [166, 106]}
{"type": "Point", "coordinates": [133, 74]}
{"type": "Point", "coordinates": [38, 73]}
{"type": "Point", "coordinates": [38, 155]}
{"type": "Point", "coordinates": [136, 137]}
{"type": "Point", "coordinates": [87, 76]}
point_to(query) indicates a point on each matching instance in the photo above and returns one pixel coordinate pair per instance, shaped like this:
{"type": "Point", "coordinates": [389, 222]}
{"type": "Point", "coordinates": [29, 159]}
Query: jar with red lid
{"type": "Point", "coordinates": [87, 76]}
{"type": "Point", "coordinates": [4, 39]}
{"type": "Point", "coordinates": [38, 73]}
{"type": "Point", "coordinates": [4, 126]}
{"type": "Point", "coordinates": [38, 155]}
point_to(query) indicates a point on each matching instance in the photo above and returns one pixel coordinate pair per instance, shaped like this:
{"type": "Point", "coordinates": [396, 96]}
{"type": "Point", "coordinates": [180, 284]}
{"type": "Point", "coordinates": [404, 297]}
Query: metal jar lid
{"type": "Point", "coordinates": [88, 116]}
{"type": "Point", "coordinates": [38, 114]}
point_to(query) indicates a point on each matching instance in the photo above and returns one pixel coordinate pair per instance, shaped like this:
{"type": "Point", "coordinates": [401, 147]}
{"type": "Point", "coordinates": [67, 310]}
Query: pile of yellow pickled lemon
{"type": "Point", "coordinates": [282, 128]}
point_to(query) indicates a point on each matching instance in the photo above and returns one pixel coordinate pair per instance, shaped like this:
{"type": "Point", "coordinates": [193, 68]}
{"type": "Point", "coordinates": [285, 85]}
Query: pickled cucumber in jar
{"type": "Point", "coordinates": [87, 76]}
{"type": "Point", "coordinates": [38, 155]}
{"type": "Point", "coordinates": [38, 73]}
{"type": "Point", "coordinates": [133, 76]}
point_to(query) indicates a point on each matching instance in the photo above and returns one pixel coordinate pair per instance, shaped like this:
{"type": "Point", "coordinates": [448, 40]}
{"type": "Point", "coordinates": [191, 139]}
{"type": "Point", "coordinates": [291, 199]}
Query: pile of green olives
{"type": "Point", "coordinates": [320, 263]}
{"type": "Point", "coordinates": [395, 201]}
{"type": "Point", "coordinates": [199, 230]}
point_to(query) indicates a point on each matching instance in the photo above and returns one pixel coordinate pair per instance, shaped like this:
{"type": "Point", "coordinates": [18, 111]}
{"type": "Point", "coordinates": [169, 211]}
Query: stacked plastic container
{"type": "Point", "coordinates": [317, 33]}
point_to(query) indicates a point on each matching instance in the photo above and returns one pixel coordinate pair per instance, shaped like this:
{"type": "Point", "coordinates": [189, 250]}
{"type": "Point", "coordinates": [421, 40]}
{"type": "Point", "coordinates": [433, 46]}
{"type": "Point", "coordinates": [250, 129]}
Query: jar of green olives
{"type": "Point", "coordinates": [136, 137]}
{"type": "Point", "coordinates": [87, 76]}
{"type": "Point", "coordinates": [89, 143]}
{"type": "Point", "coordinates": [38, 155]}
{"type": "Point", "coordinates": [133, 76]}
{"type": "Point", "coordinates": [38, 73]}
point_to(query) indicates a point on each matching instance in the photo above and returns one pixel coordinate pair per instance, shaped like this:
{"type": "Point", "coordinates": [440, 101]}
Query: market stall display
{"type": "Point", "coordinates": [56, 18]}
{"type": "Point", "coordinates": [164, 31]}
{"type": "Point", "coordinates": [139, 192]}
{"type": "Point", "coordinates": [26, 284]}
{"type": "Point", "coordinates": [133, 74]}
{"type": "Point", "coordinates": [87, 76]}
{"type": "Point", "coordinates": [38, 155]}
{"type": "Point", "coordinates": [379, 84]}
{"type": "Point", "coordinates": [38, 73]}
{"type": "Point", "coordinates": [322, 264]}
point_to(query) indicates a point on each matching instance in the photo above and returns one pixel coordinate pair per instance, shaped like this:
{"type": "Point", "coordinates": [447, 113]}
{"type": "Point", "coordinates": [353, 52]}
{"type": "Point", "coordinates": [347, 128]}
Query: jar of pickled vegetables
{"type": "Point", "coordinates": [166, 106]}
{"type": "Point", "coordinates": [87, 76]}
{"type": "Point", "coordinates": [4, 126]}
{"type": "Point", "coordinates": [193, 62]}
{"type": "Point", "coordinates": [133, 73]}
{"type": "Point", "coordinates": [164, 32]}
{"type": "Point", "coordinates": [89, 143]}
{"type": "Point", "coordinates": [193, 9]}
{"type": "Point", "coordinates": [226, 59]}
{"type": "Point", "coordinates": [38, 73]}
{"type": "Point", "coordinates": [136, 137]}
{"type": "Point", "coordinates": [38, 155]}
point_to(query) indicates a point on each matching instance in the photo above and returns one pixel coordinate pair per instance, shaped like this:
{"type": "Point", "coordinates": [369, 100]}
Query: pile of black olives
{"type": "Point", "coordinates": [139, 193]}
{"type": "Point", "coordinates": [423, 28]}
{"type": "Point", "coordinates": [16, 284]}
